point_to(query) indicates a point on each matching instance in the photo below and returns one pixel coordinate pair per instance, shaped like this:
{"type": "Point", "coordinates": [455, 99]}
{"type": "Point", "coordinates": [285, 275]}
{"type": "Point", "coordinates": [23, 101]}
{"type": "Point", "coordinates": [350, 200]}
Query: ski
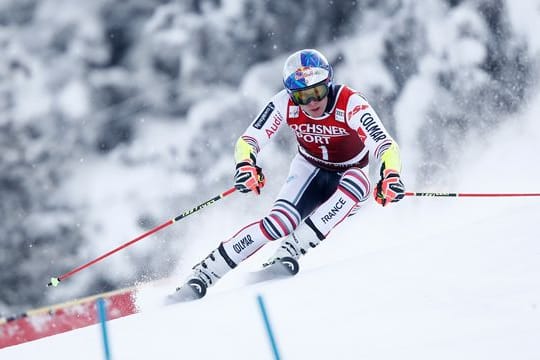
{"type": "Point", "coordinates": [195, 289]}
{"type": "Point", "coordinates": [281, 268]}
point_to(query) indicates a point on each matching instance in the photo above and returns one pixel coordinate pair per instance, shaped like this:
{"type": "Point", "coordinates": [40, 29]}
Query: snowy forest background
{"type": "Point", "coordinates": [118, 115]}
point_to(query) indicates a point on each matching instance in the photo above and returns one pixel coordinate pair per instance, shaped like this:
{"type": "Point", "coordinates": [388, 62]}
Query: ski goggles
{"type": "Point", "coordinates": [314, 93]}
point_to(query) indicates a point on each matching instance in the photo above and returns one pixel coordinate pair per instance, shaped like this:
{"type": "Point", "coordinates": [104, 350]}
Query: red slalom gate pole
{"type": "Point", "coordinates": [443, 194]}
{"type": "Point", "coordinates": [56, 280]}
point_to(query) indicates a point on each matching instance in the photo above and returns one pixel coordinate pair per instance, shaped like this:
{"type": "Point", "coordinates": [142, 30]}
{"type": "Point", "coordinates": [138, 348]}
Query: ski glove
{"type": "Point", "coordinates": [390, 188]}
{"type": "Point", "coordinates": [248, 177]}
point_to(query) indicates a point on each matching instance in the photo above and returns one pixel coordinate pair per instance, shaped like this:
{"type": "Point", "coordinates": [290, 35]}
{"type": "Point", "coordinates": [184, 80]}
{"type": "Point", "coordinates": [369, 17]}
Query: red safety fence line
{"type": "Point", "coordinates": [57, 319]}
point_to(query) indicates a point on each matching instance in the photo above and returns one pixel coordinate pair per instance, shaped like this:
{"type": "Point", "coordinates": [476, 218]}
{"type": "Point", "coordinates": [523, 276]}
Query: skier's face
{"type": "Point", "coordinates": [315, 108]}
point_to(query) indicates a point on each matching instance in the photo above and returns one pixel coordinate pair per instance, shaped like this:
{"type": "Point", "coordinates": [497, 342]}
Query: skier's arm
{"type": "Point", "coordinates": [243, 151]}
{"type": "Point", "coordinates": [248, 176]}
{"type": "Point", "coordinates": [390, 158]}
{"type": "Point", "coordinates": [262, 129]}
{"type": "Point", "coordinates": [363, 118]}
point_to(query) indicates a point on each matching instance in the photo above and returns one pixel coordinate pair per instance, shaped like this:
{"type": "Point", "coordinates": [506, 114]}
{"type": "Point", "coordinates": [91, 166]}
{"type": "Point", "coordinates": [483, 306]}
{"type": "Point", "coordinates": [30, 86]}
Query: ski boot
{"type": "Point", "coordinates": [295, 245]}
{"type": "Point", "coordinates": [205, 274]}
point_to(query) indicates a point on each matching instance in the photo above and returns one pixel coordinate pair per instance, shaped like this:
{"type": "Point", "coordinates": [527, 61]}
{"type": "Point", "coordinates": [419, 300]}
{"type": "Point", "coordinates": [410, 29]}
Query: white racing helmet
{"type": "Point", "coordinates": [307, 69]}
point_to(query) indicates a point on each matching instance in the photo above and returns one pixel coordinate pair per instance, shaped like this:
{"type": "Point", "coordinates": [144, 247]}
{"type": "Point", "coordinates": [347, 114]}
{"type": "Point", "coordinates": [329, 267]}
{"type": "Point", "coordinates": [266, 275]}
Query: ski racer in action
{"type": "Point", "coordinates": [336, 130]}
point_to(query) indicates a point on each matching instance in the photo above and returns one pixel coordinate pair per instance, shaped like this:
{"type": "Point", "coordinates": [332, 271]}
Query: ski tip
{"type": "Point", "coordinates": [198, 287]}
{"type": "Point", "coordinates": [291, 264]}
{"type": "Point", "coordinates": [194, 289]}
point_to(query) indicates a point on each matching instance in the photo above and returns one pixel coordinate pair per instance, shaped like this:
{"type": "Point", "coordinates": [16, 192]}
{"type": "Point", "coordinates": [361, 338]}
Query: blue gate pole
{"type": "Point", "coordinates": [102, 314]}
{"type": "Point", "coordinates": [268, 327]}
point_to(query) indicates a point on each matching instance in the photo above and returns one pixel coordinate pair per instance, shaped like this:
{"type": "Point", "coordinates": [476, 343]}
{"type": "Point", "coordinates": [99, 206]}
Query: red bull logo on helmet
{"type": "Point", "coordinates": [310, 75]}
{"type": "Point", "coordinates": [303, 72]}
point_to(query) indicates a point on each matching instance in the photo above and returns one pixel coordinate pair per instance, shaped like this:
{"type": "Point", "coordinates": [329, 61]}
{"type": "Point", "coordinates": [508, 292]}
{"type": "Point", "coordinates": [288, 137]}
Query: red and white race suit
{"type": "Point", "coordinates": [341, 138]}
{"type": "Point", "coordinates": [328, 178]}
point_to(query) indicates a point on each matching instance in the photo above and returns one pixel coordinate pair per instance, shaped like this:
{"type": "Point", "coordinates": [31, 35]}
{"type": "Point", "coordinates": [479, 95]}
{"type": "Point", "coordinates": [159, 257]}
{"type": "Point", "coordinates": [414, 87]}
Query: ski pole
{"type": "Point", "coordinates": [443, 194]}
{"type": "Point", "coordinates": [56, 280]}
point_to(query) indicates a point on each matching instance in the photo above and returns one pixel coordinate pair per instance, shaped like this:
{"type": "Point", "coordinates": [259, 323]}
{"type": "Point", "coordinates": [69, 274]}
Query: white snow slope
{"type": "Point", "coordinates": [428, 278]}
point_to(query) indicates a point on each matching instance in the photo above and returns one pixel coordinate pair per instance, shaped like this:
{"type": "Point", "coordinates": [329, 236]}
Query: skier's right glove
{"type": "Point", "coordinates": [248, 177]}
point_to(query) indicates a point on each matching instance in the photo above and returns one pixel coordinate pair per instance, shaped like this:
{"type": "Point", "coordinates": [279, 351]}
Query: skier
{"type": "Point", "coordinates": [336, 130]}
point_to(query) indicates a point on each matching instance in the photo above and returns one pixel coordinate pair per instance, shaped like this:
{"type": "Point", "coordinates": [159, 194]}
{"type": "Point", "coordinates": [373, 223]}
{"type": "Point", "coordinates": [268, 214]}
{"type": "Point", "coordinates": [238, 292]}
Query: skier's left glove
{"type": "Point", "coordinates": [390, 188]}
{"type": "Point", "coordinates": [248, 177]}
